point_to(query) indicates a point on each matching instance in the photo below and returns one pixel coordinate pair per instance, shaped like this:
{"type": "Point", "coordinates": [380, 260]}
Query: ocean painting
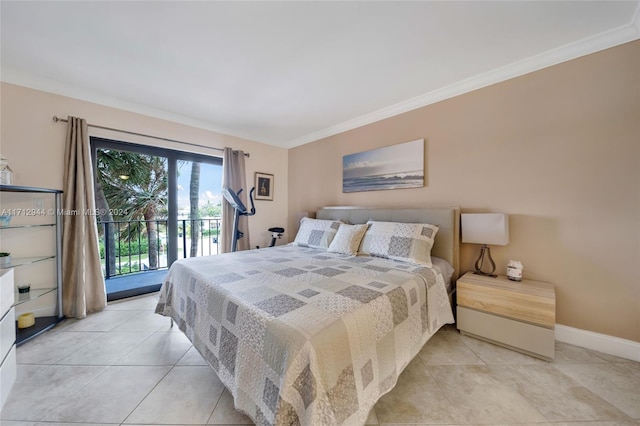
{"type": "Point", "coordinates": [392, 167]}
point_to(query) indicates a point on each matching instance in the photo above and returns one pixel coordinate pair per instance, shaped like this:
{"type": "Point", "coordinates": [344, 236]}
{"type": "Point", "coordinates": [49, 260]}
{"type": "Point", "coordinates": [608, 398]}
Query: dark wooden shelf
{"type": "Point", "coordinates": [42, 324]}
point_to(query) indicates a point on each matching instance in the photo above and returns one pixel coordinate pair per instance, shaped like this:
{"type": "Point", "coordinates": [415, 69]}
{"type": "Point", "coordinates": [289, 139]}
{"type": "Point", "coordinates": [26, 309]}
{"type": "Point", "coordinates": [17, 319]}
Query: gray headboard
{"type": "Point", "coordinates": [447, 242]}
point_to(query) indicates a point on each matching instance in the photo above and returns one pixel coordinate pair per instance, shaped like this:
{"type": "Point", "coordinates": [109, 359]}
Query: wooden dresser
{"type": "Point", "coordinates": [518, 315]}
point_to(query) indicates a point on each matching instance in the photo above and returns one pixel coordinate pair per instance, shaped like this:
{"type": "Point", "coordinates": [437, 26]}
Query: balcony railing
{"type": "Point", "coordinates": [131, 246]}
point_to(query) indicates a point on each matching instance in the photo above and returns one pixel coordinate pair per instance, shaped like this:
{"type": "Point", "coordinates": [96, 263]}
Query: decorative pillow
{"type": "Point", "coordinates": [408, 242]}
{"type": "Point", "coordinates": [347, 239]}
{"type": "Point", "coordinates": [316, 233]}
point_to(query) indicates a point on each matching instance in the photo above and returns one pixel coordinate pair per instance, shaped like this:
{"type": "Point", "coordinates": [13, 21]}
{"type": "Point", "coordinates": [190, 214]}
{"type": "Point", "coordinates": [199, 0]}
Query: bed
{"type": "Point", "coordinates": [301, 335]}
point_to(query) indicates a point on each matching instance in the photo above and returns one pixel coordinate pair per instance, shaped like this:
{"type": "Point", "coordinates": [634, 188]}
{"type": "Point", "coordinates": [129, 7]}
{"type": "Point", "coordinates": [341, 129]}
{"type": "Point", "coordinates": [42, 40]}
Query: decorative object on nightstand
{"type": "Point", "coordinates": [486, 229]}
{"type": "Point", "coordinates": [514, 270]}
{"type": "Point", "coordinates": [518, 315]}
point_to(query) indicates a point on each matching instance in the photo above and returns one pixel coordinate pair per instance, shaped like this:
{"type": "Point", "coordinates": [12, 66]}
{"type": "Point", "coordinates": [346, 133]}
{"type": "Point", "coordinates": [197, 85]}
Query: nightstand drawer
{"type": "Point", "coordinates": [529, 301]}
{"type": "Point", "coordinates": [528, 338]}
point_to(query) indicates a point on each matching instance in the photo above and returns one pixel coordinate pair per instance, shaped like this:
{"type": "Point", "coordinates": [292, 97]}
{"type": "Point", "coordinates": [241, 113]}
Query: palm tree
{"type": "Point", "coordinates": [135, 184]}
{"type": "Point", "coordinates": [112, 166]}
{"type": "Point", "coordinates": [194, 195]}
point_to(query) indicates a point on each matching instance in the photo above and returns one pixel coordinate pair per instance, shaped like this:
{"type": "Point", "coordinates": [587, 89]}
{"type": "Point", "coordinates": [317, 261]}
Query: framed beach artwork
{"type": "Point", "coordinates": [392, 167]}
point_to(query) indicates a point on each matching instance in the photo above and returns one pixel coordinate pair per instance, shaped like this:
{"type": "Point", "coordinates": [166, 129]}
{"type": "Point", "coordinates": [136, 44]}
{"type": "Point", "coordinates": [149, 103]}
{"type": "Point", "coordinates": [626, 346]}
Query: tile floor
{"type": "Point", "coordinates": [125, 364]}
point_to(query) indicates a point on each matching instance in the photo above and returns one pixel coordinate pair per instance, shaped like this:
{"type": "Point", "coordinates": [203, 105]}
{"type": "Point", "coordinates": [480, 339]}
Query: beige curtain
{"type": "Point", "coordinates": [83, 288]}
{"type": "Point", "coordinates": [234, 177]}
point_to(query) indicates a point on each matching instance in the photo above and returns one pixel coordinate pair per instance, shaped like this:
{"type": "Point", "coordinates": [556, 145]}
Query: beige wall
{"type": "Point", "coordinates": [34, 145]}
{"type": "Point", "coordinates": [558, 149]}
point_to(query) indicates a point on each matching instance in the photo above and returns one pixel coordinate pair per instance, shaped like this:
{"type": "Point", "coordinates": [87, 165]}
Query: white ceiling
{"type": "Point", "coordinates": [288, 73]}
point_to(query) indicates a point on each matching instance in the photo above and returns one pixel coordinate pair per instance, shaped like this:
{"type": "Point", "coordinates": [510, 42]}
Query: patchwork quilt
{"type": "Point", "coordinates": [302, 336]}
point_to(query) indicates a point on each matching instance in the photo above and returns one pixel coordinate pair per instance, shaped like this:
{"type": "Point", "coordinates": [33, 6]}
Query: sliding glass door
{"type": "Point", "coordinates": [199, 208]}
{"type": "Point", "coordinates": [154, 206]}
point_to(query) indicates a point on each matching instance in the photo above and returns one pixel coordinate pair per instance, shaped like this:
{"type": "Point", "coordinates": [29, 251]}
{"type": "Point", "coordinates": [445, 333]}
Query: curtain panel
{"type": "Point", "coordinates": [234, 177]}
{"type": "Point", "coordinates": [83, 287]}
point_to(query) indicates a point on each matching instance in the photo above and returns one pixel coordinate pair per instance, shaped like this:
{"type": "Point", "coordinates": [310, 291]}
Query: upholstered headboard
{"type": "Point", "coordinates": [447, 242]}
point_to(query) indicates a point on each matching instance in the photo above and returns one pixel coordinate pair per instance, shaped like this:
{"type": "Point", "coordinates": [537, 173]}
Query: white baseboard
{"type": "Point", "coordinates": [611, 345]}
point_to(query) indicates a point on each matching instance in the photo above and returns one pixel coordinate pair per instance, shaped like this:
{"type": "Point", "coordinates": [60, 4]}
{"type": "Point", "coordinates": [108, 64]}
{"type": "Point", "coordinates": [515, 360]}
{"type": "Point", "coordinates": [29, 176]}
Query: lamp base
{"type": "Point", "coordinates": [484, 274]}
{"type": "Point", "coordinates": [485, 251]}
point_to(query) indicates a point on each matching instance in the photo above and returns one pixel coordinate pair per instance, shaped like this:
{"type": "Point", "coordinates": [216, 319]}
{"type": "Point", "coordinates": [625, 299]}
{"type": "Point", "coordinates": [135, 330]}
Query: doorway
{"type": "Point", "coordinates": [154, 206]}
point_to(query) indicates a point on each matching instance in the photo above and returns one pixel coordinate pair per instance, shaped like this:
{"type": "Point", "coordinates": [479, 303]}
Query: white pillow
{"type": "Point", "coordinates": [316, 233]}
{"type": "Point", "coordinates": [347, 239]}
{"type": "Point", "coordinates": [408, 242]}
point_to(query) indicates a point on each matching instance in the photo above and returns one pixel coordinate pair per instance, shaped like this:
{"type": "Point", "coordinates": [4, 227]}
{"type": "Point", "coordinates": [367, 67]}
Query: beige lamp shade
{"type": "Point", "coordinates": [485, 228]}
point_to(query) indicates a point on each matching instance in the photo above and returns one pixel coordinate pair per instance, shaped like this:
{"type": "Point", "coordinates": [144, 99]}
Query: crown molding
{"type": "Point", "coordinates": [586, 46]}
{"type": "Point", "coordinates": [44, 84]}
{"type": "Point", "coordinates": [602, 41]}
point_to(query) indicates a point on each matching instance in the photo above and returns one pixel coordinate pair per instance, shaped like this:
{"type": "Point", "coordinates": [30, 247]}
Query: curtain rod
{"type": "Point", "coordinates": [56, 120]}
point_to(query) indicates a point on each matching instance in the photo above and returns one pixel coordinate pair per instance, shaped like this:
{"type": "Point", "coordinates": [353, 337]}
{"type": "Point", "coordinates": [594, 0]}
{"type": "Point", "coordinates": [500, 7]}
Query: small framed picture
{"type": "Point", "coordinates": [264, 186]}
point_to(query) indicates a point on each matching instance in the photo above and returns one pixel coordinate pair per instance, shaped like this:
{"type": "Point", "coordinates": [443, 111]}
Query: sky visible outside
{"type": "Point", "coordinates": [210, 184]}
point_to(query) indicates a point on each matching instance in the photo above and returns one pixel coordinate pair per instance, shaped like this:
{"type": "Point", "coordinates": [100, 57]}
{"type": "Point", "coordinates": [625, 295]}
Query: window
{"type": "Point", "coordinates": [154, 205]}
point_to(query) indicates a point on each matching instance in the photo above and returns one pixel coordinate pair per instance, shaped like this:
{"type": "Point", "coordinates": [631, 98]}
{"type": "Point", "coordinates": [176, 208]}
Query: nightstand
{"type": "Point", "coordinates": [518, 315]}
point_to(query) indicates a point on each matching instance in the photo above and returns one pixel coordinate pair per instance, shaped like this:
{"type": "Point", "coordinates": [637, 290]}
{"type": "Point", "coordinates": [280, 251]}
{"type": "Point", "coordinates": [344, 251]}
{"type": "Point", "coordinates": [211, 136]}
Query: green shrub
{"type": "Point", "coordinates": [125, 248]}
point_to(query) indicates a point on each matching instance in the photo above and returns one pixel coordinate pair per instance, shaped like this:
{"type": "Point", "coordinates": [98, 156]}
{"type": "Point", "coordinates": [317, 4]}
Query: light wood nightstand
{"type": "Point", "coordinates": [518, 315]}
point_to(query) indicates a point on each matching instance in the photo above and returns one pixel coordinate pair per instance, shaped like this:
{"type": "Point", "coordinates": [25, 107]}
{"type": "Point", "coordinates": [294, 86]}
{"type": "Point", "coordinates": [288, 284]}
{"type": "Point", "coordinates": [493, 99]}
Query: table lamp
{"type": "Point", "coordinates": [486, 229]}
